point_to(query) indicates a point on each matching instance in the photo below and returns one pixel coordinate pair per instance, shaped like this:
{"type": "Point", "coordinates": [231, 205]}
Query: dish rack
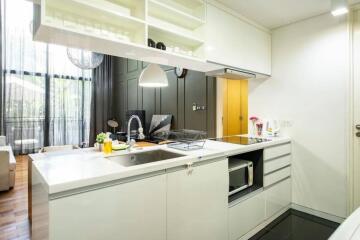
{"type": "Point", "coordinates": [185, 139]}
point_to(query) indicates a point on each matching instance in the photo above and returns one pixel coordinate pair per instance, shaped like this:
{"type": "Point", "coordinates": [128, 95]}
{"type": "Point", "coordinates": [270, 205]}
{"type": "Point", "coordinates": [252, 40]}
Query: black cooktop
{"type": "Point", "coordinates": [241, 140]}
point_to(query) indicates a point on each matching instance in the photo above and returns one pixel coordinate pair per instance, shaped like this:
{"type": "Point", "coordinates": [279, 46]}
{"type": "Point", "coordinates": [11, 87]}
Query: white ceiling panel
{"type": "Point", "coordinates": [276, 13]}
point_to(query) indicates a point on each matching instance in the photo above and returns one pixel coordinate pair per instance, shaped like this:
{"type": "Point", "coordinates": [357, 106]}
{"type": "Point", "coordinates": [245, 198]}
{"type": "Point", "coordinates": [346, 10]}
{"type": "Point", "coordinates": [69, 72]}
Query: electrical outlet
{"type": "Point", "coordinates": [287, 123]}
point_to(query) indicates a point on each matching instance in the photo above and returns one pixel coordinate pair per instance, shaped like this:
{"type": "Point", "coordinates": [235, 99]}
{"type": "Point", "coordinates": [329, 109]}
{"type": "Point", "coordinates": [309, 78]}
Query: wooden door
{"type": "Point", "coordinates": [197, 202]}
{"type": "Point", "coordinates": [235, 109]}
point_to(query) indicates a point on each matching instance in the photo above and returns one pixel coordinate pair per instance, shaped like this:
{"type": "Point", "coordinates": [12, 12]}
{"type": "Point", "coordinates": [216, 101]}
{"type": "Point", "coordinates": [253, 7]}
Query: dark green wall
{"type": "Point", "coordinates": [176, 99]}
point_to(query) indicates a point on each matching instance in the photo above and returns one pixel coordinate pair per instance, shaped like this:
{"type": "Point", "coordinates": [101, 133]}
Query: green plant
{"type": "Point", "coordinates": [100, 138]}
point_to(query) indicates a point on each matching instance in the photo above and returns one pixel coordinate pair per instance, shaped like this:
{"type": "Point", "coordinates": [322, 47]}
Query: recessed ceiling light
{"type": "Point", "coordinates": [339, 7]}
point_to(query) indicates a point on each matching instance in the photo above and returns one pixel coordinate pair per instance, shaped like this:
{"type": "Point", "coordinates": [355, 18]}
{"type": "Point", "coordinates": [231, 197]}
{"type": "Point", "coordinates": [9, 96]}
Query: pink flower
{"type": "Point", "coordinates": [254, 118]}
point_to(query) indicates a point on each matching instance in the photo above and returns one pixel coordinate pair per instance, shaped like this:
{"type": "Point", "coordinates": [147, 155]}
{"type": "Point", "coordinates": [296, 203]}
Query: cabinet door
{"type": "Point", "coordinates": [231, 41]}
{"type": "Point", "coordinates": [246, 215]}
{"type": "Point", "coordinates": [131, 211]}
{"type": "Point", "coordinates": [278, 197]}
{"type": "Point", "coordinates": [197, 203]}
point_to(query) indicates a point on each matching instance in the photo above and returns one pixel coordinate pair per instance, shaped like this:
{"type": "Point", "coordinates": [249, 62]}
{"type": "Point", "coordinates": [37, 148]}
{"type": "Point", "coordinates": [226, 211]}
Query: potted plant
{"type": "Point", "coordinates": [100, 140]}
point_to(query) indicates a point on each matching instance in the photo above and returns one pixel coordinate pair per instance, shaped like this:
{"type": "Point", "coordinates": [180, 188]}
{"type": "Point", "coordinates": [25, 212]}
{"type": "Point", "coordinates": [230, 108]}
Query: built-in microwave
{"type": "Point", "coordinates": [241, 175]}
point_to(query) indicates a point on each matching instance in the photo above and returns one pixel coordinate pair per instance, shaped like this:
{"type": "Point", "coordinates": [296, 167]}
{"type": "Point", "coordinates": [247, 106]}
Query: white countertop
{"type": "Point", "coordinates": [69, 170]}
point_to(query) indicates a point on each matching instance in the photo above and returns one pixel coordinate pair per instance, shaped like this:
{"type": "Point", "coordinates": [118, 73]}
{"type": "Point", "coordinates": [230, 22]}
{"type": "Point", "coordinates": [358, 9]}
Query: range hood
{"type": "Point", "coordinates": [237, 74]}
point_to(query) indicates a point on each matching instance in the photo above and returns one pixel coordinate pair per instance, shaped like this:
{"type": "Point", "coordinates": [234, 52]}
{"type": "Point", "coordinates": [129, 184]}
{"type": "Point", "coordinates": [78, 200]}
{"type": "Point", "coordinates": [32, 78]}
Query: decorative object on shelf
{"type": "Point", "coordinates": [100, 141]}
{"type": "Point", "coordinates": [113, 124]}
{"type": "Point", "coordinates": [180, 72]}
{"type": "Point", "coordinates": [161, 46]}
{"type": "Point", "coordinates": [153, 76]}
{"type": "Point", "coordinates": [84, 59]}
{"type": "Point", "coordinates": [259, 128]}
{"type": "Point", "coordinates": [253, 120]}
{"type": "Point", "coordinates": [151, 43]}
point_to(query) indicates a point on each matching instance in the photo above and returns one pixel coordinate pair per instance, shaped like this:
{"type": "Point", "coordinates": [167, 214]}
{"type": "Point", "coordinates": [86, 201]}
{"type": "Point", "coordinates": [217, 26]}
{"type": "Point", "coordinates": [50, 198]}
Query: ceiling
{"type": "Point", "coordinates": [276, 13]}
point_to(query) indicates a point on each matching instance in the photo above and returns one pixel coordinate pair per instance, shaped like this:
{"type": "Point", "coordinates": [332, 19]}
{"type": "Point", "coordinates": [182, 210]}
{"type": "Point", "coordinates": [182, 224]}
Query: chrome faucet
{"type": "Point", "coordinates": [141, 130]}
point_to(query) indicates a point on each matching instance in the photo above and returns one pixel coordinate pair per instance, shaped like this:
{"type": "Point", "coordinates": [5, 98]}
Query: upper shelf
{"type": "Point", "coordinates": [174, 15]}
{"type": "Point", "coordinates": [102, 11]}
{"type": "Point", "coordinates": [173, 36]}
{"type": "Point", "coordinates": [94, 18]}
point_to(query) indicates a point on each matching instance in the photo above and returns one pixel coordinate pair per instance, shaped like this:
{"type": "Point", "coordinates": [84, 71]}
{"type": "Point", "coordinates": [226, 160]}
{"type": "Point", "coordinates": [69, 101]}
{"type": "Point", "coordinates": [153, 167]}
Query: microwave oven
{"type": "Point", "coordinates": [241, 175]}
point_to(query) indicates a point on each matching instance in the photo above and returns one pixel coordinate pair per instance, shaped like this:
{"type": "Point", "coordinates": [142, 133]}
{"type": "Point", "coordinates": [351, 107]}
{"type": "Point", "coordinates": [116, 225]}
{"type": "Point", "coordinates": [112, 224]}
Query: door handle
{"type": "Point", "coordinates": [357, 134]}
{"type": "Point", "coordinates": [357, 126]}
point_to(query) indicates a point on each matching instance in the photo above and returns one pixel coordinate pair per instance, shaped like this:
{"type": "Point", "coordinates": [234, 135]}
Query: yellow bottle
{"type": "Point", "coordinates": [107, 145]}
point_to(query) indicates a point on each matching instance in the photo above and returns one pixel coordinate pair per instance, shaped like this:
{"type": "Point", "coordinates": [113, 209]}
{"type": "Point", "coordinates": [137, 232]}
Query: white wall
{"type": "Point", "coordinates": [308, 91]}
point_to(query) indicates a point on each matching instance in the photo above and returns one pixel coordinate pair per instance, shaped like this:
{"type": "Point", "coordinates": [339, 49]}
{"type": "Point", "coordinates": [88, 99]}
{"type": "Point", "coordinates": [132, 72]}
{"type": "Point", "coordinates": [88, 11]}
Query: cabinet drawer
{"type": "Point", "coordinates": [277, 151]}
{"type": "Point", "coordinates": [276, 176]}
{"type": "Point", "coordinates": [246, 215]}
{"type": "Point", "coordinates": [276, 164]}
{"type": "Point", "coordinates": [277, 197]}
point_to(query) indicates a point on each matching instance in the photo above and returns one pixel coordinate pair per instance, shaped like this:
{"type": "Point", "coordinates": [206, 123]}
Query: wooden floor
{"type": "Point", "coordinates": [14, 222]}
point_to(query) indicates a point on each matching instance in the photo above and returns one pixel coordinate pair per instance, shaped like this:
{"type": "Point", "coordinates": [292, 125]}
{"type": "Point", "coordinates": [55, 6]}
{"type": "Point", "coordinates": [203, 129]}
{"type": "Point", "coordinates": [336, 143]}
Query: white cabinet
{"type": "Point", "coordinates": [246, 215]}
{"type": "Point", "coordinates": [231, 41]}
{"type": "Point", "coordinates": [197, 202]}
{"type": "Point", "coordinates": [131, 211]}
{"type": "Point", "coordinates": [275, 164]}
{"type": "Point", "coordinates": [276, 176]}
{"type": "Point", "coordinates": [278, 197]}
{"type": "Point", "coordinates": [277, 151]}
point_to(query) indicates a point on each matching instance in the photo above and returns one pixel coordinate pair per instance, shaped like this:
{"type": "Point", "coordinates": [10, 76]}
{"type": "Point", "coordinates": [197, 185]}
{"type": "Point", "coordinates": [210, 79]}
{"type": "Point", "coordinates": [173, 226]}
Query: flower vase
{"type": "Point", "coordinates": [253, 130]}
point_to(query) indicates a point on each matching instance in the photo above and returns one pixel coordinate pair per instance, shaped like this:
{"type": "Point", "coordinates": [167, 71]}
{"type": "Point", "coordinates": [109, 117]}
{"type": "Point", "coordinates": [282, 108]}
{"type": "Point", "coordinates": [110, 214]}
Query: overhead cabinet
{"type": "Point", "coordinates": [236, 43]}
{"type": "Point", "coordinates": [122, 28]}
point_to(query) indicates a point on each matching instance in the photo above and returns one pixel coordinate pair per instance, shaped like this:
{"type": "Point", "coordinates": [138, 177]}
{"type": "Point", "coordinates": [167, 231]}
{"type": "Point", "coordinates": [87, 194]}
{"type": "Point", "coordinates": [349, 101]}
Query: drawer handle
{"type": "Point", "coordinates": [189, 167]}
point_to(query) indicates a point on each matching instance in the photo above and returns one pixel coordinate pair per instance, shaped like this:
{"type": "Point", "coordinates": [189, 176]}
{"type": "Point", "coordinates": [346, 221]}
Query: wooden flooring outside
{"type": "Point", "coordinates": [14, 224]}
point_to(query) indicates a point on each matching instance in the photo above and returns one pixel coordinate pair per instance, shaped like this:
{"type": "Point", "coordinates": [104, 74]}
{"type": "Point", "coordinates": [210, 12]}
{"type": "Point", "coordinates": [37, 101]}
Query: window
{"type": "Point", "coordinates": [47, 98]}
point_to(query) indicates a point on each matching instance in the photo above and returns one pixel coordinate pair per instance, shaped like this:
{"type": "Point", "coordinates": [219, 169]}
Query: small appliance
{"type": "Point", "coordinates": [241, 175]}
{"type": "Point", "coordinates": [272, 128]}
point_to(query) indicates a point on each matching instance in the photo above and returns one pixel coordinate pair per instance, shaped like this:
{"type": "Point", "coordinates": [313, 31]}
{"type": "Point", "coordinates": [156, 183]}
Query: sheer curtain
{"type": "Point", "coordinates": [46, 98]}
{"type": "Point", "coordinates": [70, 92]}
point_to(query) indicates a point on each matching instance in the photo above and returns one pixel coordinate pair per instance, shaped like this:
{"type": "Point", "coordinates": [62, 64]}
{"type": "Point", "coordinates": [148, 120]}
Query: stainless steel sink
{"type": "Point", "coordinates": [133, 159]}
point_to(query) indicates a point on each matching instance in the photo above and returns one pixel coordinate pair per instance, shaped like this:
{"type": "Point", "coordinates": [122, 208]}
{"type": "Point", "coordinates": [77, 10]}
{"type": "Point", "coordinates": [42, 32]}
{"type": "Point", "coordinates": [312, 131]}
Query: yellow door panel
{"type": "Point", "coordinates": [235, 107]}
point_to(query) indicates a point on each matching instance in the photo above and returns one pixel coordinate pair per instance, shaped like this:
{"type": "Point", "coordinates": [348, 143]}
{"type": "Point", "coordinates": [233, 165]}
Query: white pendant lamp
{"type": "Point", "coordinates": [339, 7]}
{"type": "Point", "coordinates": [153, 76]}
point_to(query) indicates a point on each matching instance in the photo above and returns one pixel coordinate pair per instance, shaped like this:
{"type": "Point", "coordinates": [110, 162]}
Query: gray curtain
{"type": "Point", "coordinates": [101, 98]}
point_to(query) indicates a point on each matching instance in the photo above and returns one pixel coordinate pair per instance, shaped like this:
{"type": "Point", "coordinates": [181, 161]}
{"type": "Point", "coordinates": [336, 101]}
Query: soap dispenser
{"type": "Point", "coordinates": [108, 144]}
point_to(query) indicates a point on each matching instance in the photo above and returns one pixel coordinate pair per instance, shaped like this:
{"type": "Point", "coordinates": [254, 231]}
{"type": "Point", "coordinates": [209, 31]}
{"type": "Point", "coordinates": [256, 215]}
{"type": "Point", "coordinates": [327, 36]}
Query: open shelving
{"type": "Point", "coordinates": [195, 8]}
{"type": "Point", "coordinates": [96, 17]}
{"type": "Point", "coordinates": [178, 24]}
{"type": "Point", "coordinates": [176, 16]}
{"type": "Point", "coordinates": [122, 28]}
{"type": "Point", "coordinates": [176, 43]}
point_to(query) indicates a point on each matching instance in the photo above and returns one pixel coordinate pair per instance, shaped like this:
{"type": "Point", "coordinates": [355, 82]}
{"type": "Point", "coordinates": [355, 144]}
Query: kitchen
{"type": "Point", "coordinates": [287, 85]}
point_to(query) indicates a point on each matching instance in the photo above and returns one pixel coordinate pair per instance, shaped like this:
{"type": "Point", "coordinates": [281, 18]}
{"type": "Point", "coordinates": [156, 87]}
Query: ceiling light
{"type": "Point", "coordinates": [153, 76]}
{"type": "Point", "coordinates": [339, 7]}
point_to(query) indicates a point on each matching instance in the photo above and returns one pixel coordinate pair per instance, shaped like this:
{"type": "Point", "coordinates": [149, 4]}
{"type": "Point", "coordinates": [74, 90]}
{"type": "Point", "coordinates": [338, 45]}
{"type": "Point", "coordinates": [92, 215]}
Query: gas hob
{"type": "Point", "coordinates": [241, 140]}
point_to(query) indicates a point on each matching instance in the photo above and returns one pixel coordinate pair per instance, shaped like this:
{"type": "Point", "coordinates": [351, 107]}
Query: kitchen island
{"type": "Point", "coordinates": [83, 194]}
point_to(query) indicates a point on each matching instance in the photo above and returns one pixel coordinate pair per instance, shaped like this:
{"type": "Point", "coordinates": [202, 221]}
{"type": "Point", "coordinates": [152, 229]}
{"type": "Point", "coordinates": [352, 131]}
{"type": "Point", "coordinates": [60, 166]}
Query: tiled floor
{"type": "Point", "coordinates": [295, 225]}
{"type": "Point", "coordinates": [14, 224]}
